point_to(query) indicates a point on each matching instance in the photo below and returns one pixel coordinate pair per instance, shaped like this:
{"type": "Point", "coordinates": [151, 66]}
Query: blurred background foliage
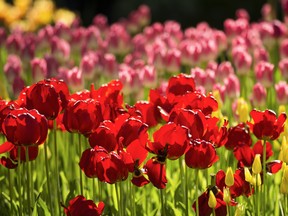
{"type": "Point", "coordinates": [187, 12]}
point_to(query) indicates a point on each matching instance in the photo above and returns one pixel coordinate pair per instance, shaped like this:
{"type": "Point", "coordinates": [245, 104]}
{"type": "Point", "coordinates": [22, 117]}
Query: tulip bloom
{"type": "Point", "coordinates": [200, 155]}
{"type": "Point", "coordinates": [266, 125]}
{"type": "Point", "coordinates": [49, 97]}
{"type": "Point", "coordinates": [79, 206]}
{"type": "Point", "coordinates": [19, 123]}
{"type": "Point", "coordinates": [82, 116]}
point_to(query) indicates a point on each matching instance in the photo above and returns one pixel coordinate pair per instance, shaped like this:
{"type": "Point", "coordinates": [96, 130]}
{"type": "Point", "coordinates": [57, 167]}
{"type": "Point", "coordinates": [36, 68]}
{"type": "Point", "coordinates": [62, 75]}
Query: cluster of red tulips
{"type": "Point", "coordinates": [139, 114]}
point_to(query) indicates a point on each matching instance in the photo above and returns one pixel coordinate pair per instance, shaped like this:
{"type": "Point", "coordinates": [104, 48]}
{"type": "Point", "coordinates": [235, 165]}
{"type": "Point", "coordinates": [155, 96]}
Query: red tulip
{"type": "Point", "coordinates": [266, 125]}
{"type": "Point", "coordinates": [156, 172]}
{"type": "Point", "coordinates": [19, 123]}
{"type": "Point", "coordinates": [220, 209]}
{"type": "Point", "coordinates": [192, 119]}
{"type": "Point", "coordinates": [79, 206]}
{"type": "Point", "coordinates": [110, 98]}
{"type": "Point", "coordinates": [201, 154]}
{"type": "Point", "coordinates": [82, 116]}
{"type": "Point", "coordinates": [49, 97]}
{"type": "Point", "coordinates": [245, 154]}
{"type": "Point", "coordinates": [237, 136]}
{"type": "Point", "coordinates": [180, 85]}
{"type": "Point", "coordinates": [240, 186]}
{"type": "Point", "coordinates": [170, 141]}
{"type": "Point", "coordinates": [89, 159]}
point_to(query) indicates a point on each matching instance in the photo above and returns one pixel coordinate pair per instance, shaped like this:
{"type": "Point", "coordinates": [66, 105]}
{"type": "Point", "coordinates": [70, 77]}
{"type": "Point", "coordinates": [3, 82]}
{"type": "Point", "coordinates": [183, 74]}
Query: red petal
{"type": "Point", "coordinates": [8, 163]}
{"type": "Point", "coordinates": [6, 147]}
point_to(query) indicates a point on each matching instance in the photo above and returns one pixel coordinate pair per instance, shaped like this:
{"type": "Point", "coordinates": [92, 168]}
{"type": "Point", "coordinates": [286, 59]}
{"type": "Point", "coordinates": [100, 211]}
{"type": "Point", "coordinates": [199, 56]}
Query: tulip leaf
{"type": "Point", "coordinates": [172, 210]}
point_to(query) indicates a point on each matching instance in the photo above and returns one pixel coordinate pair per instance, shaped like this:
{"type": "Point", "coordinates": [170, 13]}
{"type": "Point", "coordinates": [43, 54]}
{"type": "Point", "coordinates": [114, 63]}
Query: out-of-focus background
{"type": "Point", "coordinates": [187, 12]}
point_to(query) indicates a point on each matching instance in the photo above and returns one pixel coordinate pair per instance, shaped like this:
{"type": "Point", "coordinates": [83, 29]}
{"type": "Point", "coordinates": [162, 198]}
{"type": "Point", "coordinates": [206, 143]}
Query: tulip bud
{"type": "Point", "coordinates": [229, 178]}
{"type": "Point", "coordinates": [226, 195]}
{"type": "Point", "coordinates": [248, 176]}
{"type": "Point", "coordinates": [256, 166]}
{"type": "Point", "coordinates": [212, 202]}
{"type": "Point", "coordinates": [242, 110]}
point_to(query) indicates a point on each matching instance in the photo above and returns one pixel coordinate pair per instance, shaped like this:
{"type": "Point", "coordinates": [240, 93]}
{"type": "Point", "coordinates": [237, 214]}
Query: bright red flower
{"type": "Point", "coordinates": [82, 116]}
{"type": "Point", "coordinates": [240, 187]}
{"type": "Point", "coordinates": [49, 97]}
{"type": "Point", "coordinates": [148, 112]}
{"type": "Point", "coordinates": [220, 209]}
{"type": "Point", "coordinates": [110, 98]}
{"type": "Point", "coordinates": [201, 154]}
{"type": "Point", "coordinates": [196, 100]}
{"type": "Point", "coordinates": [5, 108]}
{"type": "Point", "coordinates": [194, 120]}
{"type": "Point", "coordinates": [237, 136]}
{"type": "Point", "coordinates": [245, 154]}
{"type": "Point", "coordinates": [180, 85]}
{"type": "Point", "coordinates": [89, 159]}
{"type": "Point", "coordinates": [156, 172]}
{"type": "Point", "coordinates": [19, 123]}
{"type": "Point", "coordinates": [111, 168]}
{"type": "Point", "coordinates": [79, 206]}
{"type": "Point", "coordinates": [170, 141]}
{"type": "Point", "coordinates": [266, 125]}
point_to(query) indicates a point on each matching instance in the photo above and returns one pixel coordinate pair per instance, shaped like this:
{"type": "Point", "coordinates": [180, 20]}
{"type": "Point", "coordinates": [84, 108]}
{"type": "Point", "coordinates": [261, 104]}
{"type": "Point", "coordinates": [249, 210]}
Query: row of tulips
{"type": "Point", "coordinates": [192, 118]}
{"type": "Point", "coordinates": [181, 126]}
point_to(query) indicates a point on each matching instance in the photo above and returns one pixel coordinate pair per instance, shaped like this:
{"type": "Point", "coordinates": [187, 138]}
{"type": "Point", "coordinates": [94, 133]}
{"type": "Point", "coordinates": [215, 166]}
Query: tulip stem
{"type": "Point", "coordinates": [56, 167]}
{"type": "Point", "coordinates": [118, 200]}
{"type": "Point", "coordinates": [186, 191]}
{"type": "Point", "coordinates": [162, 203]}
{"type": "Point", "coordinates": [28, 180]}
{"type": "Point", "coordinates": [81, 178]}
{"type": "Point", "coordinates": [264, 177]}
{"type": "Point", "coordinates": [196, 193]}
{"type": "Point", "coordinates": [19, 182]}
{"type": "Point", "coordinates": [47, 176]}
{"type": "Point", "coordinates": [10, 191]}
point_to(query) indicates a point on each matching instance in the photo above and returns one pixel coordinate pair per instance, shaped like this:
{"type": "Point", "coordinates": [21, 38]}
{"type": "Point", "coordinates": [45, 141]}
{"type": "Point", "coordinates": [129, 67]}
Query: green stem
{"type": "Point", "coordinates": [196, 193]}
{"type": "Point", "coordinates": [28, 181]}
{"type": "Point", "coordinates": [118, 200]}
{"type": "Point", "coordinates": [133, 200]}
{"type": "Point", "coordinates": [186, 192]}
{"type": "Point", "coordinates": [122, 207]}
{"type": "Point", "coordinates": [19, 182]}
{"type": "Point", "coordinates": [10, 191]}
{"type": "Point", "coordinates": [100, 189]}
{"type": "Point", "coordinates": [163, 210]}
{"type": "Point", "coordinates": [47, 177]}
{"type": "Point", "coordinates": [56, 167]}
{"type": "Point", "coordinates": [81, 177]}
{"type": "Point", "coordinates": [264, 178]}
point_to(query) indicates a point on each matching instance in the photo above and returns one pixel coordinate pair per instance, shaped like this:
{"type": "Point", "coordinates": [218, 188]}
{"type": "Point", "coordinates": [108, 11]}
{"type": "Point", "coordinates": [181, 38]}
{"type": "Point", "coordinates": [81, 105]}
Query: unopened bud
{"type": "Point", "coordinates": [229, 179]}
{"type": "Point", "coordinates": [258, 180]}
{"type": "Point", "coordinates": [256, 166]}
{"type": "Point", "coordinates": [212, 202]}
{"type": "Point", "coordinates": [248, 176]}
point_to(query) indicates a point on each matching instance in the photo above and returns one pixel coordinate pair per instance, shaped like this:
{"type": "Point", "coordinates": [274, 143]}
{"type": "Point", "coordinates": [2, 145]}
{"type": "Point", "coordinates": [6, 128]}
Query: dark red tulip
{"type": "Point", "coordinates": [110, 98]}
{"type": "Point", "coordinates": [170, 141]}
{"type": "Point", "coordinates": [194, 120]}
{"type": "Point", "coordinates": [82, 116]}
{"type": "Point", "coordinates": [180, 85]}
{"type": "Point", "coordinates": [148, 112]}
{"type": "Point", "coordinates": [196, 100]}
{"type": "Point", "coordinates": [220, 209]}
{"type": "Point", "coordinates": [79, 206]}
{"type": "Point", "coordinates": [19, 123]}
{"type": "Point", "coordinates": [111, 169]}
{"type": "Point", "coordinates": [240, 186]}
{"type": "Point", "coordinates": [156, 172]}
{"type": "Point", "coordinates": [89, 159]}
{"type": "Point", "coordinates": [245, 154]}
{"type": "Point", "coordinates": [49, 97]}
{"type": "Point", "coordinates": [201, 154]}
{"type": "Point", "coordinates": [274, 166]}
{"type": "Point", "coordinates": [266, 125]}
{"type": "Point", "coordinates": [237, 136]}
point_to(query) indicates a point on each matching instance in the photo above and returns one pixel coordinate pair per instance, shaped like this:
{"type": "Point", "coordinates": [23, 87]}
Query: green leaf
{"type": "Point", "coordinates": [44, 207]}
